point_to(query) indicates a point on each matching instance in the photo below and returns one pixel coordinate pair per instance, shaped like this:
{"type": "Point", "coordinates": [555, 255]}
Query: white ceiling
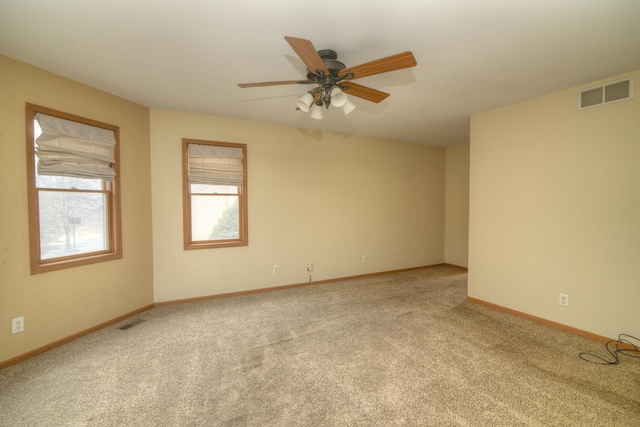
{"type": "Point", "coordinates": [189, 55]}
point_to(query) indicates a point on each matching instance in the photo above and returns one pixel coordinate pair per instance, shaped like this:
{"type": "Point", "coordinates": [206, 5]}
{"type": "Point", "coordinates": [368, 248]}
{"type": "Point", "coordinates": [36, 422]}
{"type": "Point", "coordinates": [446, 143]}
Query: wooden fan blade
{"type": "Point", "coordinates": [305, 50]}
{"type": "Point", "coordinates": [383, 65]}
{"type": "Point", "coordinates": [283, 82]}
{"type": "Point", "coordinates": [364, 92]}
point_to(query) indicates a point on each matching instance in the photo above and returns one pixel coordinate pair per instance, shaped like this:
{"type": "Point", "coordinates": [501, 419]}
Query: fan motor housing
{"type": "Point", "coordinates": [329, 57]}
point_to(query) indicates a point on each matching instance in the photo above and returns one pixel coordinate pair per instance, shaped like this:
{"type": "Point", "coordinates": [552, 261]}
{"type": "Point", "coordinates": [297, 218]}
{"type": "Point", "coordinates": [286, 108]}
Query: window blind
{"type": "Point", "coordinates": [68, 148]}
{"type": "Point", "coordinates": [215, 165]}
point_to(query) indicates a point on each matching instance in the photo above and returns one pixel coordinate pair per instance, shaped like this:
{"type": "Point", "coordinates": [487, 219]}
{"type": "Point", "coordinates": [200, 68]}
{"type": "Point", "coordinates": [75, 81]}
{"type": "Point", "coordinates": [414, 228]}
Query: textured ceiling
{"type": "Point", "coordinates": [473, 56]}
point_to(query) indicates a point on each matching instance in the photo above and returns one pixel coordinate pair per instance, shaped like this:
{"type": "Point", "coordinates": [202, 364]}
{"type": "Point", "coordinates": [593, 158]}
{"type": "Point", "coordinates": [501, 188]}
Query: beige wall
{"type": "Point", "coordinates": [456, 248]}
{"type": "Point", "coordinates": [58, 304]}
{"type": "Point", "coordinates": [555, 208]}
{"type": "Point", "coordinates": [313, 197]}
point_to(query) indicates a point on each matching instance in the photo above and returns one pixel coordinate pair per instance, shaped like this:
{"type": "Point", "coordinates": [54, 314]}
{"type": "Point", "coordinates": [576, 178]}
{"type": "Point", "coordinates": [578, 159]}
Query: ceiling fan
{"type": "Point", "coordinates": [334, 79]}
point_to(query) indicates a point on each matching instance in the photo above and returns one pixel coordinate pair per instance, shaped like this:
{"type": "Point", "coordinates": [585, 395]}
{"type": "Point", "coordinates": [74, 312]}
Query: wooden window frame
{"type": "Point", "coordinates": [243, 239]}
{"type": "Point", "coordinates": [113, 216]}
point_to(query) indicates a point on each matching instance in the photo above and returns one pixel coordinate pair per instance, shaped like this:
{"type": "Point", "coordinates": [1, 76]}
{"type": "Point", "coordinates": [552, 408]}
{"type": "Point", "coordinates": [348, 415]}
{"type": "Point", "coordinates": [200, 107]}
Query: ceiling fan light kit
{"type": "Point", "coordinates": [333, 78]}
{"type": "Point", "coordinates": [316, 112]}
{"type": "Point", "coordinates": [305, 102]}
{"type": "Point", "coordinates": [338, 97]}
{"type": "Point", "coordinates": [348, 107]}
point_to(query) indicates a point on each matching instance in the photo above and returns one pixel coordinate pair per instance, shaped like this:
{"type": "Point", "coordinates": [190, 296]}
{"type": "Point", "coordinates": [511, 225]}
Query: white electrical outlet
{"type": "Point", "coordinates": [365, 259]}
{"type": "Point", "coordinates": [564, 300]}
{"type": "Point", "coordinates": [458, 253]}
{"type": "Point", "coordinates": [309, 267]}
{"type": "Point", "coordinates": [17, 325]}
{"type": "Point", "coordinates": [276, 269]}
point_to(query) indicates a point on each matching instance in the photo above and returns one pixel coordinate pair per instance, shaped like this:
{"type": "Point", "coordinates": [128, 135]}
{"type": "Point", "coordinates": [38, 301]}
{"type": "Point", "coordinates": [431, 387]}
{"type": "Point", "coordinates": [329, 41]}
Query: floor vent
{"type": "Point", "coordinates": [621, 90]}
{"type": "Point", "coordinates": [131, 324]}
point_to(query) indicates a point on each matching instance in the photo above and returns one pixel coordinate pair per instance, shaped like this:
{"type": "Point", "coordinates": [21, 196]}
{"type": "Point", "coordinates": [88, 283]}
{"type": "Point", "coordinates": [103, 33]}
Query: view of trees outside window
{"type": "Point", "coordinates": [228, 225]}
{"type": "Point", "coordinates": [214, 212]}
{"type": "Point", "coordinates": [71, 222]}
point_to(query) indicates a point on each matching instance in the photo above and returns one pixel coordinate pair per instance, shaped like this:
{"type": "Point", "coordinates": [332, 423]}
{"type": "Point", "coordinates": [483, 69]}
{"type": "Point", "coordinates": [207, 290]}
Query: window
{"type": "Point", "coordinates": [214, 178]}
{"type": "Point", "coordinates": [73, 190]}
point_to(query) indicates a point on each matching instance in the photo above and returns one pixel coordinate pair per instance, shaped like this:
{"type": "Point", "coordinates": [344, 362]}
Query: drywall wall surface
{"type": "Point", "coordinates": [58, 304]}
{"type": "Point", "coordinates": [313, 196]}
{"type": "Point", "coordinates": [555, 208]}
{"type": "Point", "coordinates": [456, 250]}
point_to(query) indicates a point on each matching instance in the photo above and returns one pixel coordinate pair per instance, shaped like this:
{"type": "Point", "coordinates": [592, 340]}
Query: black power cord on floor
{"type": "Point", "coordinates": [623, 340]}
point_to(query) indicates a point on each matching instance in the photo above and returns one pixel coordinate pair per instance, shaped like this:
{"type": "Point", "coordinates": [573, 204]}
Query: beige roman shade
{"type": "Point", "coordinates": [68, 148]}
{"type": "Point", "coordinates": [215, 165]}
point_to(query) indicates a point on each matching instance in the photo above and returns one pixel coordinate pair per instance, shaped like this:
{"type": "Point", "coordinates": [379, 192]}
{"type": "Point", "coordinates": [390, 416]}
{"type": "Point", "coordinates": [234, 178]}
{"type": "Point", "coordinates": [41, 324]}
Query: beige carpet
{"type": "Point", "coordinates": [399, 349]}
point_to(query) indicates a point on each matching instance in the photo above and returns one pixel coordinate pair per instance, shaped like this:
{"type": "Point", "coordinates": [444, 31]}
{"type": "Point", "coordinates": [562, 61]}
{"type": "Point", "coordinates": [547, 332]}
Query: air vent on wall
{"type": "Point", "coordinates": [612, 92]}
